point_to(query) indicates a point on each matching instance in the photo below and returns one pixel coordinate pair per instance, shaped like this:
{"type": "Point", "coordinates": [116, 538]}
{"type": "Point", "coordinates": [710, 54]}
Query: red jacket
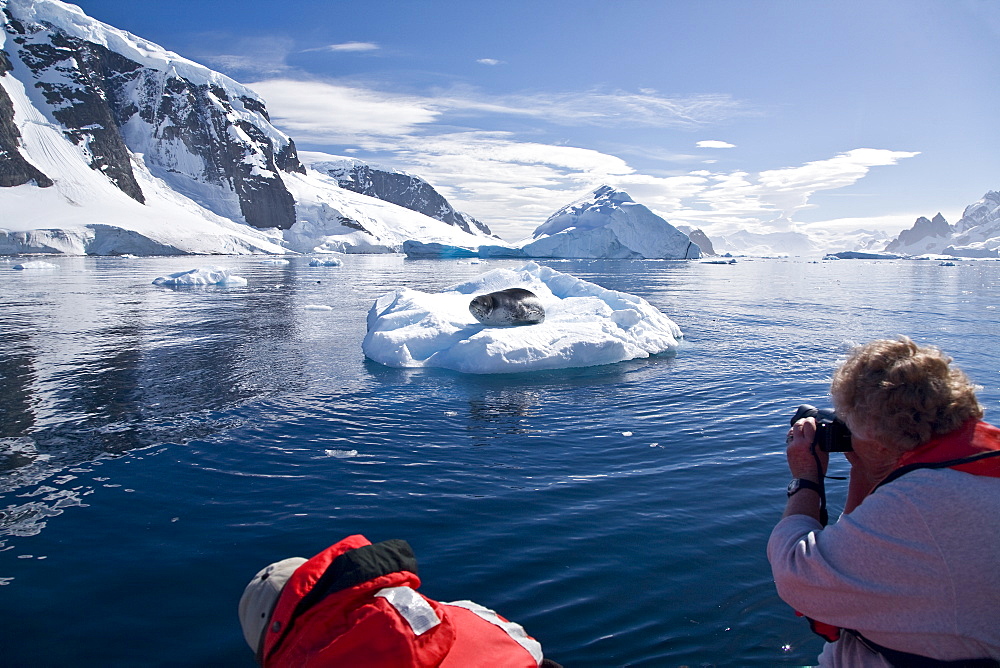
{"type": "Point", "coordinates": [354, 605]}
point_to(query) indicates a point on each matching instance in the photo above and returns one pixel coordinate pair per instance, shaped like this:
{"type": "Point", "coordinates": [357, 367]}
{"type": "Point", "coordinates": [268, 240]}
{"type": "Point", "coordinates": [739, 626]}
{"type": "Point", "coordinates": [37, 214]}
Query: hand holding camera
{"type": "Point", "coordinates": [832, 434]}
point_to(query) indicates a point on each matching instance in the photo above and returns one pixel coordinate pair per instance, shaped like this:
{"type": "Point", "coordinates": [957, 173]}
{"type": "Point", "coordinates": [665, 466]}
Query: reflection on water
{"type": "Point", "coordinates": [619, 512]}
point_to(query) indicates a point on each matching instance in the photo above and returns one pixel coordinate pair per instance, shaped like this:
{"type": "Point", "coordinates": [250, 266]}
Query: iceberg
{"type": "Point", "coordinates": [326, 262]}
{"type": "Point", "coordinates": [585, 325]}
{"type": "Point", "coordinates": [201, 276]}
{"type": "Point", "coordinates": [607, 223]}
{"type": "Point", "coordinates": [420, 249]}
{"type": "Point", "coordinates": [36, 265]}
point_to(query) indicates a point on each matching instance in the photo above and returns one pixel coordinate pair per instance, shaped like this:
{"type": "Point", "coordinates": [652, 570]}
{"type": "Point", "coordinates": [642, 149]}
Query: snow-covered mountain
{"type": "Point", "coordinates": [393, 185]}
{"type": "Point", "coordinates": [976, 234]}
{"type": "Point", "coordinates": [111, 144]}
{"type": "Point", "coordinates": [607, 223]}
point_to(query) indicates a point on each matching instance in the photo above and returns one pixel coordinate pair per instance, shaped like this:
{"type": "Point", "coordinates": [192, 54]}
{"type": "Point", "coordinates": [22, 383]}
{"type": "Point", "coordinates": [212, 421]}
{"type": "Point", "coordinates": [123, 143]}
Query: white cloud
{"type": "Point", "coordinates": [353, 47]}
{"type": "Point", "coordinates": [714, 143]}
{"type": "Point", "coordinates": [335, 114]}
{"type": "Point", "coordinates": [253, 57]}
{"type": "Point", "coordinates": [514, 184]}
{"type": "Point", "coordinates": [490, 61]}
{"type": "Point", "coordinates": [788, 190]}
{"type": "Point", "coordinates": [596, 107]}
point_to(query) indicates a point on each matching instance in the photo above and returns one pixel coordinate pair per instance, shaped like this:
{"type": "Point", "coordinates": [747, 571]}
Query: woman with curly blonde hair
{"type": "Point", "coordinates": [907, 576]}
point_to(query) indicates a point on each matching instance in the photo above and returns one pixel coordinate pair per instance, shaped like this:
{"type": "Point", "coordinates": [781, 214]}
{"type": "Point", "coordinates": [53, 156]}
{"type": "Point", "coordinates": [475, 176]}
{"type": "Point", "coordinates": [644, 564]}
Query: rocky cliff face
{"type": "Point", "coordinates": [405, 190]}
{"type": "Point", "coordinates": [200, 135]}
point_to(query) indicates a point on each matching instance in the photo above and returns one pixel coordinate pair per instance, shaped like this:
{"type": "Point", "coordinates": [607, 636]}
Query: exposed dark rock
{"type": "Point", "coordinates": [405, 190]}
{"type": "Point", "coordinates": [287, 158]}
{"type": "Point", "coordinates": [15, 170]}
{"type": "Point", "coordinates": [353, 224]}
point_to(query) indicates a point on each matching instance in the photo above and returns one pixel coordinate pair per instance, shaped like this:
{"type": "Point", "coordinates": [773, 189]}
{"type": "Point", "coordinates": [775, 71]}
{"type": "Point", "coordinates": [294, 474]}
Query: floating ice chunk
{"type": "Point", "coordinates": [585, 325]}
{"type": "Point", "coordinates": [341, 454]}
{"type": "Point", "coordinates": [36, 265]}
{"type": "Point", "coordinates": [275, 261]}
{"type": "Point", "coordinates": [201, 276]}
{"type": "Point", "coordinates": [326, 262]}
{"type": "Point", "coordinates": [317, 307]}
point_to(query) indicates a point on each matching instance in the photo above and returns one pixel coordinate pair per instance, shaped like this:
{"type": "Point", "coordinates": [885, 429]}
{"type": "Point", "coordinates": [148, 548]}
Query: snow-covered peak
{"type": "Point", "coordinates": [985, 211]}
{"type": "Point", "coordinates": [334, 164]}
{"type": "Point", "coordinates": [588, 212]}
{"type": "Point", "coordinates": [71, 20]}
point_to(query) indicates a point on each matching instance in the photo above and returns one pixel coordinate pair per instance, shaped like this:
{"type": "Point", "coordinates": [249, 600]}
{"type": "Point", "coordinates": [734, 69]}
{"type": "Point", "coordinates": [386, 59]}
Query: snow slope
{"type": "Point", "coordinates": [332, 219]}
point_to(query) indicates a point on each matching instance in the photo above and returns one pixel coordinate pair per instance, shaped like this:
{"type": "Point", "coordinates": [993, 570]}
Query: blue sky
{"type": "Point", "coordinates": [768, 115]}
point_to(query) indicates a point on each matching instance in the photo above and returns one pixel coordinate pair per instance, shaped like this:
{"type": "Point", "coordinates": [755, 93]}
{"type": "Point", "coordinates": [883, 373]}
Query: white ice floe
{"type": "Point", "coordinates": [341, 454]}
{"type": "Point", "coordinates": [585, 325]}
{"type": "Point", "coordinates": [317, 307]}
{"type": "Point", "coordinates": [326, 262]}
{"type": "Point", "coordinates": [201, 276]}
{"type": "Point", "coordinates": [36, 265]}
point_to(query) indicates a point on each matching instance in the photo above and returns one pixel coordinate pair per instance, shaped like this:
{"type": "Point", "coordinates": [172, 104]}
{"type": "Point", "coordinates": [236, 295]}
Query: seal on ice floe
{"type": "Point", "coordinates": [513, 306]}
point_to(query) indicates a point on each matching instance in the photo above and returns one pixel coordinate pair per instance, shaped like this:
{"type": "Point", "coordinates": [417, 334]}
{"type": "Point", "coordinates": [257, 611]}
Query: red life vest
{"type": "Point", "coordinates": [356, 604]}
{"type": "Point", "coordinates": [972, 448]}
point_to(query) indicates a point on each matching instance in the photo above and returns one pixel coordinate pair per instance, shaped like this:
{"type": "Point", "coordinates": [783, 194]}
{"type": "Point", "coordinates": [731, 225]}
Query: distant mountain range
{"type": "Point", "coordinates": [975, 235]}
{"type": "Point", "coordinates": [109, 144]}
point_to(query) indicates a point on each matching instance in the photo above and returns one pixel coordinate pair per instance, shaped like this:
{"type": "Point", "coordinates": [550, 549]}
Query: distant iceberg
{"type": "Point", "coordinates": [202, 276]}
{"type": "Point", "coordinates": [326, 262]}
{"type": "Point", "coordinates": [607, 223]}
{"type": "Point", "coordinates": [585, 325]}
{"type": "Point", "coordinates": [418, 249]}
{"type": "Point", "coordinates": [36, 265]}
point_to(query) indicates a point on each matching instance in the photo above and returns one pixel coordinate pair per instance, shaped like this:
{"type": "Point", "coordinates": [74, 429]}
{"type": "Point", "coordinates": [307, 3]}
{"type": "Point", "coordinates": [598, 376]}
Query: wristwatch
{"type": "Point", "coordinates": [801, 483]}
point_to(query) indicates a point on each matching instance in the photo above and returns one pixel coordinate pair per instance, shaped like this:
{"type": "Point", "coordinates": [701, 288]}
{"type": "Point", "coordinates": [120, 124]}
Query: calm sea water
{"type": "Point", "coordinates": [159, 446]}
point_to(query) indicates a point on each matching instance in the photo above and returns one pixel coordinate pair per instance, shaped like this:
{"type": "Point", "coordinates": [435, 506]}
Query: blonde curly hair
{"type": "Point", "coordinates": [902, 394]}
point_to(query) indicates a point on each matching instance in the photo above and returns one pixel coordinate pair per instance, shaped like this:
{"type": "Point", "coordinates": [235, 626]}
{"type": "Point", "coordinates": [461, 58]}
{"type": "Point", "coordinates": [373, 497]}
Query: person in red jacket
{"type": "Point", "coordinates": [357, 604]}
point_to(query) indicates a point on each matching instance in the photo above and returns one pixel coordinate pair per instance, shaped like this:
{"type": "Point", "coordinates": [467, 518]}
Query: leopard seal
{"type": "Point", "coordinates": [513, 306]}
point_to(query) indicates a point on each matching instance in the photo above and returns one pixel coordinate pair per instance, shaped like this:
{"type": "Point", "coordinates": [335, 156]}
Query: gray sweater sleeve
{"type": "Point", "coordinates": [905, 568]}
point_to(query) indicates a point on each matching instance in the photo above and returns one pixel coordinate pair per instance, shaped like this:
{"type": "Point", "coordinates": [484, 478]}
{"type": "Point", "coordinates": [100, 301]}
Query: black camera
{"type": "Point", "coordinates": [832, 434]}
